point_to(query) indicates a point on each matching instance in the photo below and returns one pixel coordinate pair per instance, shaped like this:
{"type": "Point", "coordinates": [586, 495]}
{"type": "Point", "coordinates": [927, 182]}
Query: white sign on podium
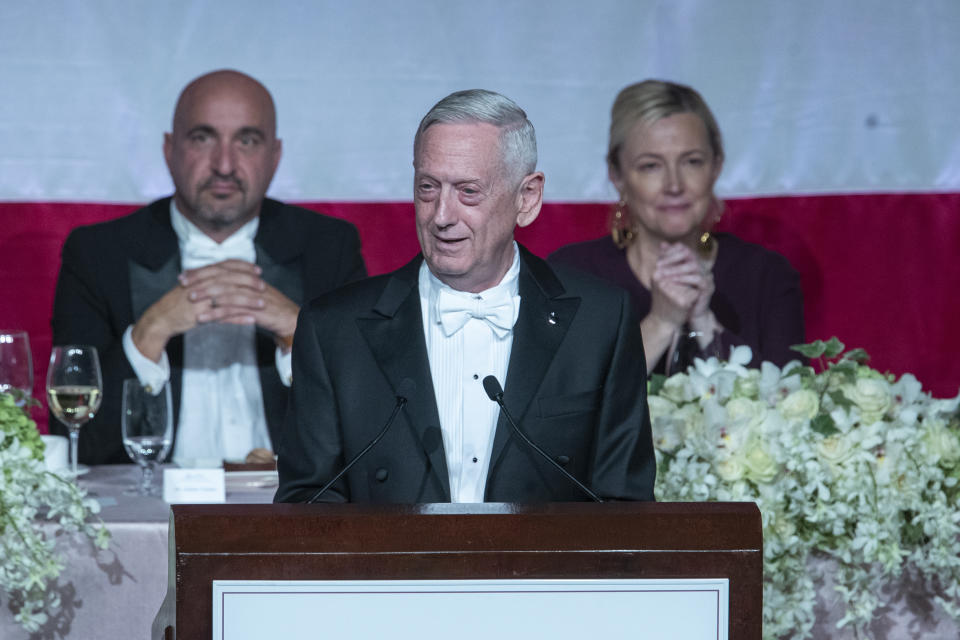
{"type": "Point", "coordinates": [471, 609]}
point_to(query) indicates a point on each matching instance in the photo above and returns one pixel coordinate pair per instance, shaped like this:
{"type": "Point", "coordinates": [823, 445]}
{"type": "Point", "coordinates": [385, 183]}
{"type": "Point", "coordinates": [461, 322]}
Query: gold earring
{"type": "Point", "coordinates": [620, 228]}
{"type": "Point", "coordinates": [705, 244]}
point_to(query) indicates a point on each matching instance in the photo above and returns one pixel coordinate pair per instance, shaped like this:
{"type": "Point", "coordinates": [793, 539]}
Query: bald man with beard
{"type": "Point", "coordinates": [202, 290]}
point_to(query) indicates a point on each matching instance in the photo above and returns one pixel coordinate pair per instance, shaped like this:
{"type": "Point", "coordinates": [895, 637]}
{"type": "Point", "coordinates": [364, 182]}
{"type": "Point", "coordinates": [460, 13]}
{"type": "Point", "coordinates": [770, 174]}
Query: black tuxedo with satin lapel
{"type": "Point", "coordinates": [576, 382]}
{"type": "Point", "coordinates": [113, 271]}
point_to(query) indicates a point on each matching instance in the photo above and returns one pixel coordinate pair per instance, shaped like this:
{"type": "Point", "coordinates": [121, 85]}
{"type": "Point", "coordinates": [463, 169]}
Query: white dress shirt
{"type": "Point", "coordinates": [221, 403]}
{"type": "Point", "coordinates": [463, 349]}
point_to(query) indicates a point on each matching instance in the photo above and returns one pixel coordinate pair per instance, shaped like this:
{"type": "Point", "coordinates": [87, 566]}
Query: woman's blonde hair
{"type": "Point", "coordinates": [651, 100]}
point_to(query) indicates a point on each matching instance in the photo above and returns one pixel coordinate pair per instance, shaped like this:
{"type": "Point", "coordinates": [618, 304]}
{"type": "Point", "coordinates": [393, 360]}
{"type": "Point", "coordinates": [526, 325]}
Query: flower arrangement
{"type": "Point", "coordinates": [848, 463]}
{"type": "Point", "coordinates": [30, 496]}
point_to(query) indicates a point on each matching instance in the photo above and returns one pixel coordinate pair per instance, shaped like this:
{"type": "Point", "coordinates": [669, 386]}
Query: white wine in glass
{"type": "Point", "coordinates": [74, 388]}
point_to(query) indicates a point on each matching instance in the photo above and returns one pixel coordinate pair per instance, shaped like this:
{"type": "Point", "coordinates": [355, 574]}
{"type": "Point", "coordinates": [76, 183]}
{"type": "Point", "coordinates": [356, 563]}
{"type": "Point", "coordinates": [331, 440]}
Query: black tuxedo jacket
{"type": "Point", "coordinates": [111, 272]}
{"type": "Point", "coordinates": [576, 382]}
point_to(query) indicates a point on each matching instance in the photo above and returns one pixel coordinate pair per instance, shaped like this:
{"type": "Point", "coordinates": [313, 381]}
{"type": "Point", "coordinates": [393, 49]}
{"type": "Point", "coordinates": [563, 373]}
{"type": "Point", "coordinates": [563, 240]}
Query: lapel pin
{"type": "Point", "coordinates": [552, 318]}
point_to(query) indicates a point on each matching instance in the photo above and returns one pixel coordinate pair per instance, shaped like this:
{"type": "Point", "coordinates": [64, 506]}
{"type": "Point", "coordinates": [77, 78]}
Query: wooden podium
{"type": "Point", "coordinates": [450, 541]}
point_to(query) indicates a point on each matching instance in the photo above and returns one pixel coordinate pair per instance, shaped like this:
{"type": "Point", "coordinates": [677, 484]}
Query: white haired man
{"type": "Point", "coordinates": [472, 305]}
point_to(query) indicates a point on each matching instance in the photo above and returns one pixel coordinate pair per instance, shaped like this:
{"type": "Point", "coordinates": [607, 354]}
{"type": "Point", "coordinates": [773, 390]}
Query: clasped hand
{"type": "Point", "coordinates": [230, 291]}
{"type": "Point", "coordinates": [681, 286]}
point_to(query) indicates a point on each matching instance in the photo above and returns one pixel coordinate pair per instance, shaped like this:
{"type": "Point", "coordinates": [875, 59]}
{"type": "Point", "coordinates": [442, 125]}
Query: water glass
{"type": "Point", "coordinates": [146, 422]}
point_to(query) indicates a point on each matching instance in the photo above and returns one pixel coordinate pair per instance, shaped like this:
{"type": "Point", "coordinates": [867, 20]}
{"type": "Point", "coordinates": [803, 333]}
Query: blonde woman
{"type": "Point", "coordinates": [699, 293]}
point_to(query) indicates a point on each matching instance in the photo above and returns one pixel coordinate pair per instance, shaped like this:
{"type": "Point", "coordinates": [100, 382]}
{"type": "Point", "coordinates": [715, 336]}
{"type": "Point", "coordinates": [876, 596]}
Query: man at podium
{"type": "Point", "coordinates": [397, 394]}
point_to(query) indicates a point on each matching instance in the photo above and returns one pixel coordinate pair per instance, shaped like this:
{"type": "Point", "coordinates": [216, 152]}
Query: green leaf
{"type": "Point", "coordinates": [655, 383]}
{"type": "Point", "coordinates": [833, 348]}
{"type": "Point", "coordinates": [824, 425]}
{"type": "Point", "coordinates": [840, 399]}
{"type": "Point", "coordinates": [812, 350]}
{"type": "Point", "coordinates": [807, 376]}
{"type": "Point", "coordinates": [860, 356]}
{"type": "Point", "coordinates": [846, 369]}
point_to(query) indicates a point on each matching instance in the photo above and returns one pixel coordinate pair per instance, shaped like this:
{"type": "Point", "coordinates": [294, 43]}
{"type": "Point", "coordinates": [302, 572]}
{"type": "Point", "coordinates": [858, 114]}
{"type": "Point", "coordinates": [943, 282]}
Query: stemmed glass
{"type": "Point", "coordinates": [686, 347]}
{"type": "Point", "coordinates": [74, 389]}
{"type": "Point", "coordinates": [16, 365]}
{"type": "Point", "coordinates": [147, 426]}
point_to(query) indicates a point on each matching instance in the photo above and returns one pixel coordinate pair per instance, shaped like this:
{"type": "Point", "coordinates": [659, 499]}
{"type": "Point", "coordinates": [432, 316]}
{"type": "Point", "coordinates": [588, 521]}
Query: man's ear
{"type": "Point", "coordinates": [530, 198]}
{"type": "Point", "coordinates": [167, 148]}
{"type": "Point", "coordinates": [277, 154]}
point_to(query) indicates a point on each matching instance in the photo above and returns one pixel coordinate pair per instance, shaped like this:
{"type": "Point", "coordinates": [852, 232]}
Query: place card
{"type": "Point", "coordinates": [193, 486]}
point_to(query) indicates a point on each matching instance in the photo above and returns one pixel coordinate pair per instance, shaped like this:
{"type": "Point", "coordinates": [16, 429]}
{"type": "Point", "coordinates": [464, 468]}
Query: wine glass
{"type": "Point", "coordinates": [687, 346]}
{"type": "Point", "coordinates": [146, 423]}
{"type": "Point", "coordinates": [16, 365]}
{"type": "Point", "coordinates": [74, 389]}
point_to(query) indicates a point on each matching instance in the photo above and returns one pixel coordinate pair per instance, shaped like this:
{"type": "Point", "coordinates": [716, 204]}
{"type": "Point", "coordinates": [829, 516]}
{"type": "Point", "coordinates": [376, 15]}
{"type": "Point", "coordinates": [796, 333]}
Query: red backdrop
{"type": "Point", "coordinates": [878, 270]}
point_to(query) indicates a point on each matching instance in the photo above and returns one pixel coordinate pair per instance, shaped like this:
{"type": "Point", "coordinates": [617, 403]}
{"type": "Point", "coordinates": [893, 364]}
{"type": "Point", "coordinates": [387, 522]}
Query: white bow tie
{"type": "Point", "coordinates": [499, 311]}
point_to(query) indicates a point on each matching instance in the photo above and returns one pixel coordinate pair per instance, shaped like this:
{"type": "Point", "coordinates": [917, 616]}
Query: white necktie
{"type": "Point", "coordinates": [498, 311]}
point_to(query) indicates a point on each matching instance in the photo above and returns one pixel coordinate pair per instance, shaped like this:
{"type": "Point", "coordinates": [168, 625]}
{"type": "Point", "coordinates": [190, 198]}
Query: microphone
{"type": "Point", "coordinates": [406, 389]}
{"type": "Point", "coordinates": [495, 392]}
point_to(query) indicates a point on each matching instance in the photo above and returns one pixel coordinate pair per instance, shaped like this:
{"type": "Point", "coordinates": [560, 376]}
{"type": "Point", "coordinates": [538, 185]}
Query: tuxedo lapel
{"type": "Point", "coordinates": [149, 285]}
{"type": "Point", "coordinates": [155, 262]}
{"type": "Point", "coordinates": [541, 326]}
{"type": "Point", "coordinates": [285, 277]}
{"type": "Point", "coordinates": [394, 332]}
{"type": "Point", "coordinates": [279, 253]}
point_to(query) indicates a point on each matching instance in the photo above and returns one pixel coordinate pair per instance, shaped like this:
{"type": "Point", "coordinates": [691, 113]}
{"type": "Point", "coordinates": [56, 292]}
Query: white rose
{"type": "Point", "coordinates": [730, 469]}
{"type": "Point", "coordinates": [942, 444]}
{"type": "Point", "coordinates": [800, 405]}
{"type": "Point", "coordinates": [760, 465]}
{"type": "Point", "coordinates": [691, 420]}
{"type": "Point", "coordinates": [747, 411]}
{"type": "Point", "coordinates": [784, 527]}
{"type": "Point", "coordinates": [747, 386]}
{"type": "Point", "coordinates": [676, 389]}
{"type": "Point", "coordinates": [746, 420]}
{"type": "Point", "coordinates": [871, 396]}
{"type": "Point", "coordinates": [835, 449]}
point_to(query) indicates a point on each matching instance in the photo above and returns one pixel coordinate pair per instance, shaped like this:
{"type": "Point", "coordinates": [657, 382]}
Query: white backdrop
{"type": "Point", "coordinates": [820, 96]}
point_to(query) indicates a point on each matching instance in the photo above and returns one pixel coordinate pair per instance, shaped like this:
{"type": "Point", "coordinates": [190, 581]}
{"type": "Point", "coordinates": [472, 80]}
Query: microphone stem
{"type": "Point", "coordinates": [533, 445]}
{"type": "Point", "coordinates": [396, 409]}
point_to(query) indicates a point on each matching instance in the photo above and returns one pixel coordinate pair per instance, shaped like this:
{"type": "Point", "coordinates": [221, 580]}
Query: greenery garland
{"type": "Point", "coordinates": [30, 498]}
